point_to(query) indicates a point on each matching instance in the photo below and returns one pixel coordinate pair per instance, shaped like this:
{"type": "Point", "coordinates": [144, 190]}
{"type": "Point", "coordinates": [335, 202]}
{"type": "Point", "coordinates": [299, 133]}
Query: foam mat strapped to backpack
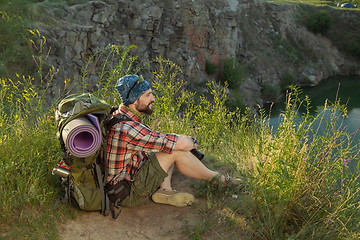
{"type": "Point", "coordinates": [82, 136]}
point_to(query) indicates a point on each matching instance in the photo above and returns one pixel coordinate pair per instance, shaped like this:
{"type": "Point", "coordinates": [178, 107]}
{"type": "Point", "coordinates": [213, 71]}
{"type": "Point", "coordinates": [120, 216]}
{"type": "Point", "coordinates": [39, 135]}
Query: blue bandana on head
{"type": "Point", "coordinates": [131, 87]}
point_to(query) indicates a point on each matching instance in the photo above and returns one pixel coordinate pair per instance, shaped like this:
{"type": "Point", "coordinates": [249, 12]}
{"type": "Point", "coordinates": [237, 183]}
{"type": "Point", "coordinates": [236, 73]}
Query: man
{"type": "Point", "coordinates": [146, 158]}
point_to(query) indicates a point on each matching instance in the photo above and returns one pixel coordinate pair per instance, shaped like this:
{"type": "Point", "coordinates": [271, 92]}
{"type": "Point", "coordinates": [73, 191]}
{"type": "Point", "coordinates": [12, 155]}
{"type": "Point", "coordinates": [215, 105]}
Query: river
{"type": "Point", "coordinates": [345, 88]}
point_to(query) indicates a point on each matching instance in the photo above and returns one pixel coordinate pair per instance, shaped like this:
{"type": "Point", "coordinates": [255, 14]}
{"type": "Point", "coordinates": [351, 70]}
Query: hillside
{"type": "Point", "coordinates": [269, 40]}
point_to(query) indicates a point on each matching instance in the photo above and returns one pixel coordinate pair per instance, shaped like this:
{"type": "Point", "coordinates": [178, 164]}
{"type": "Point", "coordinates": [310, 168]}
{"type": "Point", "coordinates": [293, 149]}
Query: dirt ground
{"type": "Point", "coordinates": [147, 221]}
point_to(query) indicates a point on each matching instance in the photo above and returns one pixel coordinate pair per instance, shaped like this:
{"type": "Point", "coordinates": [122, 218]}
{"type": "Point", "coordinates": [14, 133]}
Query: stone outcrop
{"type": "Point", "coordinates": [189, 33]}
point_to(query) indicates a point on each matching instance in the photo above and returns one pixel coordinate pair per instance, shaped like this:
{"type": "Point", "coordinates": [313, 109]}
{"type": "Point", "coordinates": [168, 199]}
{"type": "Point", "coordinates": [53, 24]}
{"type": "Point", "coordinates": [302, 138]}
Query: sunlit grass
{"type": "Point", "coordinates": [299, 182]}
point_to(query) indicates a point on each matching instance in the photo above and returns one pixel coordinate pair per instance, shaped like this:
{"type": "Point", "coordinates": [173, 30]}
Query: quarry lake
{"type": "Point", "coordinates": [344, 88]}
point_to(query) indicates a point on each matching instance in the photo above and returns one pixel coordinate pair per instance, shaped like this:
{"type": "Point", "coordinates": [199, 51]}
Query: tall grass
{"type": "Point", "coordinates": [28, 152]}
{"type": "Point", "coordinates": [301, 183]}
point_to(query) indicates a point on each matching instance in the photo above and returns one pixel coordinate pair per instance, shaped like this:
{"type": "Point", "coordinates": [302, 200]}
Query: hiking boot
{"type": "Point", "coordinates": [229, 181]}
{"type": "Point", "coordinates": [177, 199]}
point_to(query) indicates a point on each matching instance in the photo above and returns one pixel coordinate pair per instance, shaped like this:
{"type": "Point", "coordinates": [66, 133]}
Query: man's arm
{"type": "Point", "coordinates": [141, 138]}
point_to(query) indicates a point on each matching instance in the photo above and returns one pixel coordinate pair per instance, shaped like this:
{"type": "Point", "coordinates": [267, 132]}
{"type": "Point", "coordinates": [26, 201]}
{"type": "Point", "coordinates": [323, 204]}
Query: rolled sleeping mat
{"type": "Point", "coordinates": [82, 136]}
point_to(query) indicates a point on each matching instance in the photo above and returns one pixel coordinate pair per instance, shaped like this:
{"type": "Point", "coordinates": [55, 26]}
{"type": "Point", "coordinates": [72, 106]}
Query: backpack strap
{"type": "Point", "coordinates": [114, 120]}
{"type": "Point", "coordinates": [66, 157]}
{"type": "Point", "coordinates": [104, 199]}
{"type": "Point", "coordinates": [108, 205]}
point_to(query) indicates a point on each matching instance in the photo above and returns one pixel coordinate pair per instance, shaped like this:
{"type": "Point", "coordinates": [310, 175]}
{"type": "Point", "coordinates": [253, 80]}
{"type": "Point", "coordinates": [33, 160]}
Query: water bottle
{"type": "Point", "coordinates": [60, 171]}
{"type": "Point", "coordinates": [197, 154]}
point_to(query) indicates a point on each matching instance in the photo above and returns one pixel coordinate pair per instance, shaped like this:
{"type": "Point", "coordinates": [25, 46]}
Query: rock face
{"type": "Point", "coordinates": [259, 34]}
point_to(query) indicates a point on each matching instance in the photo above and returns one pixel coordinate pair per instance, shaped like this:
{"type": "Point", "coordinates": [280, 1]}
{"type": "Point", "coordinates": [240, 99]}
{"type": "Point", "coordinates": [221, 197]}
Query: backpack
{"type": "Point", "coordinates": [83, 122]}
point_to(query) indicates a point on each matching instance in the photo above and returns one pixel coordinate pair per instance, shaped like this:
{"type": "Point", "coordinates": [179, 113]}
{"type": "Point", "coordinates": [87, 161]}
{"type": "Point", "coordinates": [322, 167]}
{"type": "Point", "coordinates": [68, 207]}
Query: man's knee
{"type": "Point", "coordinates": [166, 160]}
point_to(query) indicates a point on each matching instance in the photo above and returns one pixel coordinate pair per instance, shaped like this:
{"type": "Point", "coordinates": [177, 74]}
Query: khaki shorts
{"type": "Point", "coordinates": [146, 181]}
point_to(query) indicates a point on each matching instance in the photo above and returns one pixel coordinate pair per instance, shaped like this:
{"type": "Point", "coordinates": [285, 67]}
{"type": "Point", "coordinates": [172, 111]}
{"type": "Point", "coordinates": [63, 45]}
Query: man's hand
{"type": "Point", "coordinates": [185, 143]}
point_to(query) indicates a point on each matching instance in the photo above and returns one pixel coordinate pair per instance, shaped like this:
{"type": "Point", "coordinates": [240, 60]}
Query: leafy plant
{"type": "Point", "coordinates": [15, 54]}
{"type": "Point", "coordinates": [319, 22]}
{"type": "Point", "coordinates": [286, 80]}
{"type": "Point", "coordinates": [271, 92]}
{"type": "Point", "coordinates": [291, 50]}
{"type": "Point", "coordinates": [350, 42]}
{"type": "Point", "coordinates": [210, 68]}
{"type": "Point", "coordinates": [233, 72]}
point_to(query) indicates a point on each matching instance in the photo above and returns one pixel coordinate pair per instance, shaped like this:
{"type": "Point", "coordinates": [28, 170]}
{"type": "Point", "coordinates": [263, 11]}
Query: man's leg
{"type": "Point", "coordinates": [165, 194]}
{"type": "Point", "coordinates": [166, 185]}
{"type": "Point", "coordinates": [187, 164]}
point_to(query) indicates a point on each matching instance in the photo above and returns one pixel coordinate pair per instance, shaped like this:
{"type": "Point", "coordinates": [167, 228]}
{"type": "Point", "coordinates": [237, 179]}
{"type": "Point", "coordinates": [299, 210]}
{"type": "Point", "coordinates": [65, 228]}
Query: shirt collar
{"type": "Point", "coordinates": [130, 112]}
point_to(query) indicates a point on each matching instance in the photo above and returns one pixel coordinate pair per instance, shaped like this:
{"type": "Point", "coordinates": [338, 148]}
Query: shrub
{"type": "Point", "coordinates": [319, 22]}
{"type": "Point", "coordinates": [271, 91]}
{"type": "Point", "coordinates": [15, 54]}
{"type": "Point", "coordinates": [350, 42]}
{"type": "Point", "coordinates": [287, 79]}
{"type": "Point", "coordinates": [210, 68]}
{"type": "Point", "coordinates": [289, 49]}
{"type": "Point", "coordinates": [233, 72]}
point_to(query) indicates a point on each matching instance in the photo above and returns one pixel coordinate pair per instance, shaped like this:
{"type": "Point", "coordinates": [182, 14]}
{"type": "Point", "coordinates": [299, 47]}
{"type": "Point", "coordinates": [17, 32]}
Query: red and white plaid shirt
{"type": "Point", "coordinates": [129, 144]}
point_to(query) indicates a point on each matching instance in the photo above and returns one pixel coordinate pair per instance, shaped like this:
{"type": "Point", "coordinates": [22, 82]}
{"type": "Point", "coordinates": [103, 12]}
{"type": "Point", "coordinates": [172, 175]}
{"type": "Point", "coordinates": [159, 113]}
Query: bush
{"type": "Point", "coordinates": [289, 49]}
{"type": "Point", "coordinates": [15, 54]}
{"type": "Point", "coordinates": [233, 72]}
{"type": "Point", "coordinates": [287, 80]}
{"type": "Point", "coordinates": [350, 42]}
{"type": "Point", "coordinates": [319, 22]}
{"type": "Point", "coordinates": [271, 92]}
{"type": "Point", "coordinates": [210, 68]}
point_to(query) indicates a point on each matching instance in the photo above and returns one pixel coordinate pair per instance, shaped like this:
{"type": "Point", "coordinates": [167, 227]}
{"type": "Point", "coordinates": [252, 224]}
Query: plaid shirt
{"type": "Point", "coordinates": [129, 143]}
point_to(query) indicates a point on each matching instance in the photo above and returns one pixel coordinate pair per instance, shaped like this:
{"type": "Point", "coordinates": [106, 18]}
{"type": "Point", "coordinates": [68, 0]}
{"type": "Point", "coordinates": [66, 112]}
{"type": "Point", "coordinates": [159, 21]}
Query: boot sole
{"type": "Point", "coordinates": [176, 199]}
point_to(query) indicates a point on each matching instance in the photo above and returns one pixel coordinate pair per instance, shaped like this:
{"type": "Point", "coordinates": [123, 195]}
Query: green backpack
{"type": "Point", "coordinates": [83, 122]}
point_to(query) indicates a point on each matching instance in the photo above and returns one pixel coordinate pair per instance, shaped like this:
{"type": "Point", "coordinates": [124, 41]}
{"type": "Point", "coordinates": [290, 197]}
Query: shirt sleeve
{"type": "Point", "coordinates": [141, 138]}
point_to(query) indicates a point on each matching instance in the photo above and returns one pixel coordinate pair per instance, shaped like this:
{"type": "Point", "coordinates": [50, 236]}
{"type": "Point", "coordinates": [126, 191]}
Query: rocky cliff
{"type": "Point", "coordinates": [268, 39]}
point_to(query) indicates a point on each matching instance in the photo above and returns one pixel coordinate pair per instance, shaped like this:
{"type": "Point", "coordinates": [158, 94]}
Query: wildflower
{"type": "Point", "coordinates": [263, 160]}
{"type": "Point", "coordinates": [345, 162]}
{"type": "Point", "coordinates": [328, 221]}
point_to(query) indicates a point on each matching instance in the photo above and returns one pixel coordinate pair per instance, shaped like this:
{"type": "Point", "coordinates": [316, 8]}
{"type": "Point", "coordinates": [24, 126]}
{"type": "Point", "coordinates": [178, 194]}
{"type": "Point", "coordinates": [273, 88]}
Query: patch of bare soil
{"type": "Point", "coordinates": [147, 221]}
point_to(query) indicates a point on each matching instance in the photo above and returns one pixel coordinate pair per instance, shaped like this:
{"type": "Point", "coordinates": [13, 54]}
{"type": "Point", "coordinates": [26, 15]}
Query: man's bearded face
{"type": "Point", "coordinates": [144, 103]}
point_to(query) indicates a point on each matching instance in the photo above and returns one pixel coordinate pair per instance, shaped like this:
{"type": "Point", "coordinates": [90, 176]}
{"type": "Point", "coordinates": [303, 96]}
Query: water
{"type": "Point", "coordinates": [347, 89]}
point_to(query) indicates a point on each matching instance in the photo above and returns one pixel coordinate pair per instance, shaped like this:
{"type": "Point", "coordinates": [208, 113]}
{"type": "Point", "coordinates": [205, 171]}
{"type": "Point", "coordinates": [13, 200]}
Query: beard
{"type": "Point", "coordinates": [144, 108]}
